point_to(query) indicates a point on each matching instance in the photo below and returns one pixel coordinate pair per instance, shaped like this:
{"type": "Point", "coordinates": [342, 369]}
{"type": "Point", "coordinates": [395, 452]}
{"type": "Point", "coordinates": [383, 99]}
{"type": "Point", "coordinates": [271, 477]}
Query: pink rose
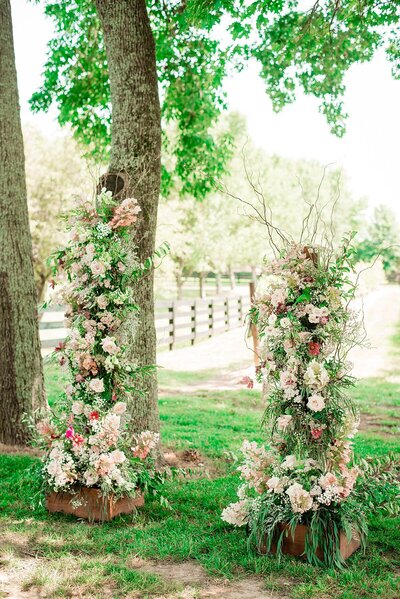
{"type": "Point", "coordinates": [96, 385]}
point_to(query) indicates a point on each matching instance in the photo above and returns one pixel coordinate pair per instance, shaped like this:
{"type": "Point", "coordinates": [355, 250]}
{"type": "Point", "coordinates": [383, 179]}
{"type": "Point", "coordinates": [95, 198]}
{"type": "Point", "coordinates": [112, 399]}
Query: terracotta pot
{"type": "Point", "coordinates": [295, 545]}
{"type": "Point", "coordinates": [90, 504]}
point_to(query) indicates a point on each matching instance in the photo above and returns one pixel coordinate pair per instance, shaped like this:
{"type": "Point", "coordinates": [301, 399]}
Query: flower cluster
{"type": "Point", "coordinates": [306, 329]}
{"type": "Point", "coordinates": [86, 440]}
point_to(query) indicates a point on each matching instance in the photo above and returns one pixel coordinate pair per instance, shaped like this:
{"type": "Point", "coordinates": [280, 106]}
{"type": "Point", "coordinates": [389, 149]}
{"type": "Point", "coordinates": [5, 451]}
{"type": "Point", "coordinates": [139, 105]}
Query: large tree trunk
{"type": "Point", "coordinates": [136, 149]}
{"type": "Point", "coordinates": [21, 376]}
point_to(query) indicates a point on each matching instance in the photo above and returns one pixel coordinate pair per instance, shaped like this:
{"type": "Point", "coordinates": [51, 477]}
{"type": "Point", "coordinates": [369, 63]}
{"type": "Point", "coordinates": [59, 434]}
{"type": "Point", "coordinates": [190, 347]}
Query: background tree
{"type": "Point", "coordinates": [21, 376]}
{"type": "Point", "coordinates": [382, 238]}
{"type": "Point", "coordinates": [103, 54]}
{"type": "Point", "coordinates": [55, 176]}
{"type": "Point", "coordinates": [136, 150]}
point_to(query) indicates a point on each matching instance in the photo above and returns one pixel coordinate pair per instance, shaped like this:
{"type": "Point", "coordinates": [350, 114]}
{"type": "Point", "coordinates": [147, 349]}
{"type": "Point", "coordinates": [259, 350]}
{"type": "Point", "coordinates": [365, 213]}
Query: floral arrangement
{"type": "Point", "coordinates": [85, 439]}
{"type": "Point", "coordinates": [306, 474]}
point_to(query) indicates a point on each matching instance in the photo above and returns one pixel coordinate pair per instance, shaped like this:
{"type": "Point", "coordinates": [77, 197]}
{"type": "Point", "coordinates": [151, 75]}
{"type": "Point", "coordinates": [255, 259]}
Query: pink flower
{"type": "Point", "coordinates": [102, 302]}
{"type": "Point", "coordinates": [246, 380]}
{"type": "Point", "coordinates": [69, 433]}
{"type": "Point", "coordinates": [79, 378]}
{"type": "Point", "coordinates": [108, 344]}
{"type": "Point", "coordinates": [316, 433]}
{"type": "Point", "coordinates": [125, 214]}
{"type": "Point", "coordinates": [97, 268]}
{"type": "Point", "coordinates": [96, 385]}
{"type": "Point", "coordinates": [314, 348]}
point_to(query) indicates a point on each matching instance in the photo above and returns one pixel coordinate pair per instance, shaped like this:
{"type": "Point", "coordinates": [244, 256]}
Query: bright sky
{"type": "Point", "coordinates": [369, 152]}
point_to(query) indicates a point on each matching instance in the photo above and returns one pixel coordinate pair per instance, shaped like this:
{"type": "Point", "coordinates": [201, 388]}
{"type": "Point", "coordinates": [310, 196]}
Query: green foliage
{"type": "Point", "coordinates": [382, 240]}
{"type": "Point", "coordinates": [90, 559]}
{"type": "Point", "coordinates": [198, 43]}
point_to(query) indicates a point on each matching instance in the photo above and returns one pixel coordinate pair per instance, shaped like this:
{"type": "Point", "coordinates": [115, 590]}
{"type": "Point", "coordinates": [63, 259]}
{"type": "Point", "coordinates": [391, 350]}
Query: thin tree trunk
{"type": "Point", "coordinates": [218, 280]}
{"type": "Point", "coordinates": [136, 149]}
{"type": "Point", "coordinates": [232, 279]}
{"type": "Point", "coordinates": [21, 375]}
{"type": "Point", "coordinates": [179, 283]}
{"type": "Point", "coordinates": [202, 289]}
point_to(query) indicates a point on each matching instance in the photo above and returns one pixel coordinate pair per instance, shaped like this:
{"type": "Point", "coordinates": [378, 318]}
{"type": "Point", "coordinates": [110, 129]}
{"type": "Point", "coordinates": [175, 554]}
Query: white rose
{"type": "Point", "coordinates": [108, 344]}
{"type": "Point", "coordinates": [119, 408]}
{"type": "Point", "coordinates": [77, 408]}
{"type": "Point", "coordinates": [316, 403]}
{"type": "Point", "coordinates": [96, 385]}
{"type": "Point", "coordinates": [283, 421]}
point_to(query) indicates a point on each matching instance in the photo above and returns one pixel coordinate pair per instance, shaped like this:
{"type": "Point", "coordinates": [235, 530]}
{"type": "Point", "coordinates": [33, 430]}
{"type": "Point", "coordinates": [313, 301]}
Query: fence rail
{"type": "Point", "coordinates": [177, 322]}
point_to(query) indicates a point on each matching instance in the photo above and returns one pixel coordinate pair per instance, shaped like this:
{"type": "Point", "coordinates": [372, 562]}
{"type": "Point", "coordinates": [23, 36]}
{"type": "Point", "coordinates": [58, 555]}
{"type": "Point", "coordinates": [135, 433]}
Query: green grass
{"type": "Point", "coordinates": [98, 560]}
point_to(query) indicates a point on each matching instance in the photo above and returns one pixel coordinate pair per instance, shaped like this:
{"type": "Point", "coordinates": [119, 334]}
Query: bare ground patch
{"type": "Point", "coordinates": [199, 585]}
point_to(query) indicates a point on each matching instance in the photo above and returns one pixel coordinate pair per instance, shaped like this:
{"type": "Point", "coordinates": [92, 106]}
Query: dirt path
{"type": "Point", "coordinates": [189, 576]}
{"type": "Point", "coordinates": [231, 353]}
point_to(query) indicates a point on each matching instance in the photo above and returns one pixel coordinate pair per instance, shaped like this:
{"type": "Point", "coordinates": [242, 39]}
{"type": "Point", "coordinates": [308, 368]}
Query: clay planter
{"type": "Point", "coordinates": [90, 504]}
{"type": "Point", "coordinates": [296, 545]}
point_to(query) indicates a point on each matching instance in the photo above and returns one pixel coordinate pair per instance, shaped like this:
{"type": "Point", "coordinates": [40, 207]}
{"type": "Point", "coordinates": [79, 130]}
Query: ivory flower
{"type": "Point", "coordinates": [96, 385]}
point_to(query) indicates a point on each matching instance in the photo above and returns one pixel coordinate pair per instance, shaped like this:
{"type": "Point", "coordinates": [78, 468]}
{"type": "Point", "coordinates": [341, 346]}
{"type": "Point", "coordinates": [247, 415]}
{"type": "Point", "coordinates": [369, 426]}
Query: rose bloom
{"type": "Point", "coordinates": [314, 348]}
{"type": "Point", "coordinates": [96, 385]}
{"type": "Point", "coordinates": [97, 268]}
{"type": "Point", "coordinates": [119, 408]}
{"type": "Point", "coordinates": [77, 408]}
{"type": "Point", "coordinates": [102, 302]}
{"type": "Point", "coordinates": [316, 402]}
{"type": "Point", "coordinates": [283, 421]}
{"type": "Point", "coordinates": [108, 344]}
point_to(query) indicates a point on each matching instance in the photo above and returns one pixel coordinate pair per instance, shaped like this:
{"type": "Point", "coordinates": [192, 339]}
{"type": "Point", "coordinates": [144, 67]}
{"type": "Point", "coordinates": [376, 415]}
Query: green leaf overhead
{"type": "Point", "coordinates": [297, 45]}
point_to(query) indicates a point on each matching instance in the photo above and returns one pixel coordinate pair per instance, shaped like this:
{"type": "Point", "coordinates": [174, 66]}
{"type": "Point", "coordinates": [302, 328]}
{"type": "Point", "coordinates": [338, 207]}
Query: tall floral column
{"type": "Point", "coordinates": [86, 439]}
{"type": "Point", "coordinates": [305, 475]}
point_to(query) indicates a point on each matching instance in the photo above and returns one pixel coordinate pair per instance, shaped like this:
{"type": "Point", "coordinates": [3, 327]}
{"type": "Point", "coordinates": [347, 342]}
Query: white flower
{"type": "Point", "coordinates": [278, 297]}
{"type": "Point", "coordinates": [316, 375]}
{"type": "Point", "coordinates": [236, 513]}
{"type": "Point", "coordinates": [96, 385]}
{"type": "Point", "coordinates": [77, 408]}
{"type": "Point", "coordinates": [108, 344]}
{"type": "Point", "coordinates": [102, 302]}
{"type": "Point", "coordinates": [283, 421]}
{"type": "Point", "coordinates": [272, 320]}
{"type": "Point", "coordinates": [289, 462]}
{"type": "Point", "coordinates": [285, 323]}
{"type": "Point", "coordinates": [119, 408]}
{"type": "Point", "coordinates": [275, 484]}
{"type": "Point", "coordinates": [316, 403]}
{"type": "Point", "coordinates": [300, 499]}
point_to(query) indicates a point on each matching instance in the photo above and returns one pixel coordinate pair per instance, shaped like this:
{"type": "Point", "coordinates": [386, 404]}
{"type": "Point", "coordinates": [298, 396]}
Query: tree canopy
{"type": "Point", "coordinates": [297, 45]}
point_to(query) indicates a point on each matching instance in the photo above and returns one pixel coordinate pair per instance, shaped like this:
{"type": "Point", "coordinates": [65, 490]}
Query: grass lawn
{"type": "Point", "coordinates": [76, 559]}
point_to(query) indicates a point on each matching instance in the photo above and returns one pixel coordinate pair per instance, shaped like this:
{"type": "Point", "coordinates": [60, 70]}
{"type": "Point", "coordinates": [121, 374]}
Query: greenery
{"type": "Point", "coordinates": [382, 240]}
{"type": "Point", "coordinates": [296, 45]}
{"type": "Point", "coordinates": [99, 561]}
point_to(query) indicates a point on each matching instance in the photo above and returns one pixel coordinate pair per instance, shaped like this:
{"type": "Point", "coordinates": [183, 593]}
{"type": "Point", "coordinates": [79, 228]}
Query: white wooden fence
{"type": "Point", "coordinates": [177, 322]}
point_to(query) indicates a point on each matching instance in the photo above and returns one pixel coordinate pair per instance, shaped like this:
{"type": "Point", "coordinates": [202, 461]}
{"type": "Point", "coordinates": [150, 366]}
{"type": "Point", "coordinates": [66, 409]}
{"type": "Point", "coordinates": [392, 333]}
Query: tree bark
{"type": "Point", "coordinates": [218, 283]}
{"type": "Point", "coordinates": [202, 289]}
{"type": "Point", "coordinates": [21, 375]}
{"type": "Point", "coordinates": [232, 278]}
{"type": "Point", "coordinates": [136, 149]}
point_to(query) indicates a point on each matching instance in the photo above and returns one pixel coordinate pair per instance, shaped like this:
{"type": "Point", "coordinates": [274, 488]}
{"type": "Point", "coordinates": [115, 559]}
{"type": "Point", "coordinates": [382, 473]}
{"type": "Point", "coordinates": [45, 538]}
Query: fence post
{"type": "Point", "coordinates": [171, 321]}
{"type": "Point", "coordinates": [210, 318]}
{"type": "Point", "coordinates": [253, 328]}
{"type": "Point", "coordinates": [226, 306]}
{"type": "Point", "coordinates": [240, 309]}
{"type": "Point", "coordinates": [193, 321]}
